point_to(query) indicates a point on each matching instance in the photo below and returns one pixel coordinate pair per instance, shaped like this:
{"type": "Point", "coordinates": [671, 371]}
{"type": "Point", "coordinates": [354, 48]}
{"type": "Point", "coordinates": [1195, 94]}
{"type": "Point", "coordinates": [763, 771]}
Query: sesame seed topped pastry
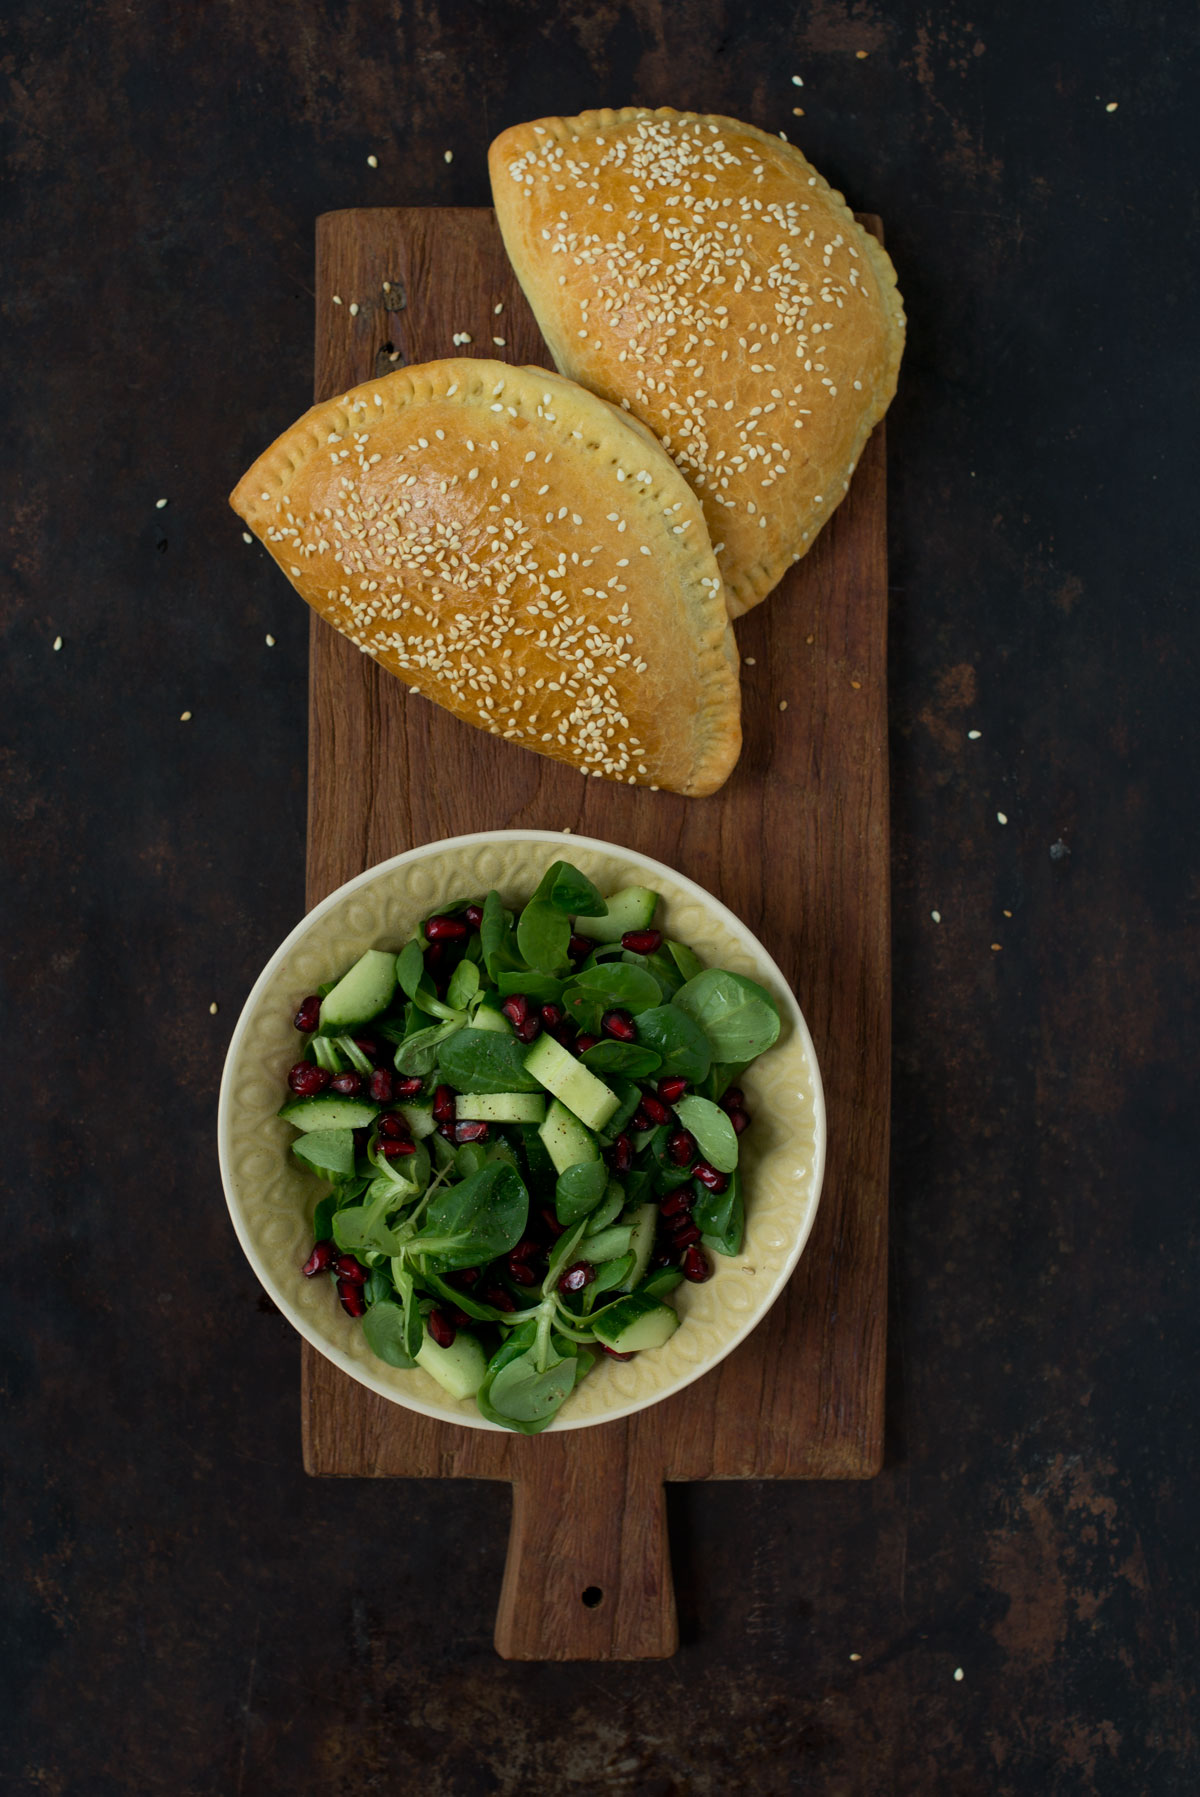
{"type": "Point", "coordinates": [701, 274]}
{"type": "Point", "coordinates": [514, 548]}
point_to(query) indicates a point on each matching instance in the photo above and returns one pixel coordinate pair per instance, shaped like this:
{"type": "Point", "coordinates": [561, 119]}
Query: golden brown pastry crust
{"type": "Point", "coordinates": [704, 275]}
{"type": "Point", "coordinates": [516, 550]}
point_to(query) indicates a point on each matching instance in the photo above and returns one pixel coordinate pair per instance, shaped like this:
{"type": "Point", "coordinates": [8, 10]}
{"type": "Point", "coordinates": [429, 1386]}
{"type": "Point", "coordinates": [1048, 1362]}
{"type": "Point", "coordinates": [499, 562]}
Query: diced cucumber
{"type": "Point", "coordinates": [661, 1282]}
{"type": "Point", "coordinates": [458, 1369]}
{"type": "Point", "coordinates": [632, 908]}
{"type": "Point", "coordinates": [500, 1107]}
{"type": "Point", "coordinates": [491, 1017]}
{"type": "Point", "coordinates": [608, 1209]}
{"type": "Point", "coordinates": [571, 1082]}
{"type": "Point", "coordinates": [420, 1119]}
{"type": "Point", "coordinates": [360, 994]}
{"type": "Point", "coordinates": [328, 1111]}
{"type": "Point", "coordinates": [565, 1139]}
{"type": "Point", "coordinates": [329, 1152]}
{"type": "Point", "coordinates": [634, 1323]}
{"type": "Point", "coordinates": [606, 1244]}
{"type": "Point", "coordinates": [644, 1221]}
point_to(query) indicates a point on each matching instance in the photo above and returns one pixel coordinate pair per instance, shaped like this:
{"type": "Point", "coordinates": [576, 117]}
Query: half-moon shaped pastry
{"type": "Point", "coordinates": [704, 276]}
{"type": "Point", "coordinates": [513, 548]}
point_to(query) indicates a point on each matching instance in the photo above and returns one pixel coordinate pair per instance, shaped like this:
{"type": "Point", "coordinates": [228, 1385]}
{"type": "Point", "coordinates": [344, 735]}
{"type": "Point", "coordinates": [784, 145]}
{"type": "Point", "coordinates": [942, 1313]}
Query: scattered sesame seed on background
{"type": "Point", "coordinates": [354, 308]}
{"type": "Point", "coordinates": [797, 81]}
{"type": "Point", "coordinates": [499, 342]}
{"type": "Point", "coordinates": [184, 717]}
{"type": "Point", "coordinates": [1059, 850]}
{"type": "Point", "coordinates": [995, 948]}
{"type": "Point", "coordinates": [246, 537]}
{"type": "Point", "coordinates": [973, 736]}
{"type": "Point", "coordinates": [57, 644]}
{"type": "Point", "coordinates": [270, 641]}
{"type": "Point", "coordinates": [810, 639]}
{"type": "Point", "coordinates": [862, 55]}
{"type": "Point", "coordinates": [958, 1675]}
{"type": "Point", "coordinates": [498, 308]}
{"type": "Point", "coordinates": [159, 504]}
{"type": "Point", "coordinates": [936, 916]}
{"type": "Point", "coordinates": [750, 662]}
{"type": "Point", "coordinates": [1112, 106]}
{"type": "Point", "coordinates": [1008, 914]}
{"type": "Point", "coordinates": [797, 112]}
{"type": "Point", "coordinates": [212, 1010]}
{"type": "Point", "coordinates": [337, 299]}
{"type": "Point", "coordinates": [783, 705]}
{"type": "Point", "coordinates": [372, 162]}
{"type": "Point", "coordinates": [566, 829]}
{"type": "Point", "coordinates": [857, 685]}
{"type": "Point", "coordinates": [1000, 818]}
{"type": "Point", "coordinates": [449, 156]}
{"type": "Point", "coordinates": [856, 1656]}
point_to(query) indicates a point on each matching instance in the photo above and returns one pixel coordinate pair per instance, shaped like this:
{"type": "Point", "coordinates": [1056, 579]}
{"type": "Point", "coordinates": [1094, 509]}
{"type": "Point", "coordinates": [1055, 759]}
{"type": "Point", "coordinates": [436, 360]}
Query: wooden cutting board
{"type": "Point", "coordinates": [796, 844]}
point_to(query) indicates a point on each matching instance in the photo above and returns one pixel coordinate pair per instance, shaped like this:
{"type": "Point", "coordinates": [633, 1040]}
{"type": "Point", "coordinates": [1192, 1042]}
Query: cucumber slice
{"type": "Point", "coordinates": [330, 1112]}
{"type": "Point", "coordinates": [420, 1119]}
{"type": "Point", "coordinates": [644, 1221]}
{"type": "Point", "coordinates": [632, 908]}
{"type": "Point", "coordinates": [360, 994]}
{"type": "Point", "coordinates": [660, 1283]}
{"type": "Point", "coordinates": [571, 1082]}
{"type": "Point", "coordinates": [329, 1152]}
{"type": "Point", "coordinates": [634, 1323]}
{"type": "Point", "coordinates": [606, 1244]}
{"type": "Point", "coordinates": [565, 1139]}
{"type": "Point", "coordinates": [490, 1017]}
{"type": "Point", "coordinates": [500, 1107]}
{"type": "Point", "coordinates": [458, 1369]}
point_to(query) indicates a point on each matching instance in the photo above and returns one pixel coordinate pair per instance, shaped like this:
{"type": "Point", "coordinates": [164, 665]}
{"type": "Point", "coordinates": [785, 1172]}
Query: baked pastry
{"type": "Point", "coordinates": [514, 548]}
{"type": "Point", "coordinates": [704, 276]}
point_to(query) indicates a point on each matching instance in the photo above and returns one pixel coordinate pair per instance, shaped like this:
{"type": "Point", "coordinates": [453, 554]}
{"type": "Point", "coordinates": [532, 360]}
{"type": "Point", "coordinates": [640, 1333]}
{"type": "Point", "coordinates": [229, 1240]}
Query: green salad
{"type": "Point", "coordinates": [529, 1127]}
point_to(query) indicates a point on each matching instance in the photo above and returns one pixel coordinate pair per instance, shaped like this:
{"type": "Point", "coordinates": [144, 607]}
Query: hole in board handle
{"type": "Point", "coordinates": [592, 1596]}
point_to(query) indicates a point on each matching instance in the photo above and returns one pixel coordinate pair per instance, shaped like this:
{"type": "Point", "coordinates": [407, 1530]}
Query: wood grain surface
{"type": "Point", "coordinates": [796, 844]}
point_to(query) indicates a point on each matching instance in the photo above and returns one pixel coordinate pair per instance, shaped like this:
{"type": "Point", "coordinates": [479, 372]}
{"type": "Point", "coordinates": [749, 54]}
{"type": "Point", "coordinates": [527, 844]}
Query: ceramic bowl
{"type": "Point", "coordinates": [271, 1198]}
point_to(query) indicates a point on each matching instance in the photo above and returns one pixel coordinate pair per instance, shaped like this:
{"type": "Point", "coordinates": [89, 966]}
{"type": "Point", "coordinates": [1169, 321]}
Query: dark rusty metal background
{"type": "Point", "coordinates": [184, 1611]}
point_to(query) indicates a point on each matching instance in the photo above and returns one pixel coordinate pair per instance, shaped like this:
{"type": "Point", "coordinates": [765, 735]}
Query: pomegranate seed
{"type": "Point", "coordinates": [580, 947]}
{"type": "Point", "coordinates": [612, 1352]}
{"type": "Point", "coordinates": [458, 1317]}
{"type": "Point", "coordinates": [346, 1085]}
{"type": "Point", "coordinates": [520, 1272]}
{"type": "Point", "coordinates": [677, 1203]}
{"type": "Point", "coordinates": [353, 1302]}
{"type": "Point", "coordinates": [393, 1150]}
{"type": "Point", "coordinates": [470, 1132]}
{"type": "Point", "coordinates": [552, 1016]}
{"type": "Point", "coordinates": [530, 1030]}
{"type": "Point", "coordinates": [734, 1099]}
{"type": "Point", "coordinates": [467, 1276]}
{"type": "Point", "coordinates": [551, 1221]}
{"type": "Point", "coordinates": [564, 1035]}
{"type": "Point", "coordinates": [681, 1149]}
{"type": "Point", "coordinates": [382, 1086]}
{"type": "Point", "coordinates": [516, 1009]}
{"type": "Point", "coordinates": [619, 1024]}
{"type": "Point", "coordinates": [640, 1120]}
{"type": "Point", "coordinates": [474, 915]}
{"type": "Point", "coordinates": [307, 1080]}
{"type": "Point", "coordinates": [642, 942]}
{"type": "Point", "coordinates": [446, 1131]}
{"type": "Point", "coordinates": [441, 1329]}
{"type": "Point", "coordinates": [525, 1250]}
{"type": "Point", "coordinates": [661, 1259]}
{"type": "Point", "coordinates": [683, 1238]}
{"type": "Point", "coordinates": [348, 1268]}
{"type": "Point", "coordinates": [583, 1043]}
{"type": "Point", "coordinates": [445, 929]}
{"type": "Point", "coordinates": [576, 1277]}
{"type": "Point", "coordinates": [740, 1121]}
{"type": "Point", "coordinates": [672, 1088]}
{"type": "Point", "coordinates": [366, 1046]}
{"type": "Point", "coordinates": [395, 1127]}
{"type": "Point", "coordinates": [620, 1155]}
{"type": "Point", "coordinates": [309, 1015]}
{"type": "Point", "coordinates": [319, 1261]}
{"type": "Point", "coordinates": [443, 1105]}
{"type": "Point", "coordinates": [708, 1176]}
{"type": "Point", "coordinates": [408, 1085]}
{"type": "Point", "coordinates": [695, 1266]}
{"type": "Point", "coordinates": [657, 1113]}
{"type": "Point", "coordinates": [498, 1298]}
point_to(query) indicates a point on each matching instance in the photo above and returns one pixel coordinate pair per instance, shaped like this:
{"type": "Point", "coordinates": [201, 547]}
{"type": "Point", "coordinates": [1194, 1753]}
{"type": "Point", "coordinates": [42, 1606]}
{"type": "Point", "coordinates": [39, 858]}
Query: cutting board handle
{"type": "Point", "coordinates": [588, 1574]}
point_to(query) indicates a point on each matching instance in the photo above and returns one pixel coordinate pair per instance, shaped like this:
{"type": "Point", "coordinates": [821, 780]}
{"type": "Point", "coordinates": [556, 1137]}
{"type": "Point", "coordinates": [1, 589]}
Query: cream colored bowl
{"type": "Point", "coordinates": [271, 1198]}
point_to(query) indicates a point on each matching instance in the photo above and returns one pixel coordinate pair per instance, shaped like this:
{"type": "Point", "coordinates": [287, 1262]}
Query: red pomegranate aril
{"type": "Point", "coordinates": [576, 1277]}
{"type": "Point", "coordinates": [309, 1015]}
{"type": "Point", "coordinates": [657, 1113]}
{"type": "Point", "coordinates": [520, 1272]}
{"type": "Point", "coordinates": [552, 1016]}
{"type": "Point", "coordinates": [393, 1150]}
{"type": "Point", "coordinates": [683, 1238]}
{"type": "Point", "coordinates": [366, 1045]}
{"type": "Point", "coordinates": [695, 1266]}
{"type": "Point", "coordinates": [733, 1100]}
{"type": "Point", "coordinates": [564, 1035]}
{"type": "Point", "coordinates": [547, 1214]}
{"type": "Point", "coordinates": [681, 1148]}
{"type": "Point", "coordinates": [740, 1121]}
{"type": "Point", "coordinates": [347, 1267]}
{"type": "Point", "coordinates": [612, 1352]}
{"type": "Point", "coordinates": [395, 1127]}
{"type": "Point", "coordinates": [642, 942]}
{"type": "Point", "coordinates": [443, 1105]}
{"type": "Point", "coordinates": [306, 1079]}
{"type": "Point", "coordinates": [516, 1009]}
{"type": "Point", "coordinates": [530, 1030]}
{"type": "Point", "coordinates": [708, 1176]}
{"type": "Point", "coordinates": [319, 1261]}
{"type": "Point", "coordinates": [580, 947]}
{"type": "Point", "coordinates": [640, 1120]}
{"type": "Point", "coordinates": [467, 1276]}
{"type": "Point", "coordinates": [474, 915]}
{"type": "Point", "coordinates": [353, 1302]}
{"type": "Point", "coordinates": [672, 1088]}
{"type": "Point", "coordinates": [346, 1085]}
{"type": "Point", "coordinates": [620, 1155]}
{"type": "Point", "coordinates": [446, 1131]}
{"type": "Point", "coordinates": [445, 929]}
{"type": "Point", "coordinates": [408, 1085]}
{"type": "Point", "coordinates": [525, 1250]}
{"type": "Point", "coordinates": [382, 1086]}
{"type": "Point", "coordinates": [620, 1025]}
{"type": "Point", "coordinates": [441, 1329]}
{"type": "Point", "coordinates": [470, 1132]}
{"type": "Point", "coordinates": [583, 1043]}
{"type": "Point", "coordinates": [498, 1298]}
{"type": "Point", "coordinates": [458, 1317]}
{"type": "Point", "coordinates": [678, 1202]}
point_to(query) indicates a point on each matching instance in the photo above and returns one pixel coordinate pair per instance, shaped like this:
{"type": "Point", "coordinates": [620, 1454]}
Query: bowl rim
{"type": "Point", "coordinates": [426, 851]}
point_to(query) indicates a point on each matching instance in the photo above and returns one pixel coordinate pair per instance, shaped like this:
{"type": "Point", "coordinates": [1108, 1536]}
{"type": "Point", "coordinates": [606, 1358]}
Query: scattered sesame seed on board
{"type": "Point", "coordinates": [270, 641]}
{"type": "Point", "coordinates": [448, 156]}
{"type": "Point", "coordinates": [354, 308]}
{"type": "Point", "coordinates": [936, 916]}
{"type": "Point", "coordinates": [246, 537]}
{"type": "Point", "coordinates": [1112, 106]}
{"type": "Point", "coordinates": [857, 685]}
{"type": "Point", "coordinates": [856, 1656]}
{"type": "Point", "coordinates": [498, 308]}
{"type": "Point", "coordinates": [57, 644]}
{"type": "Point", "coordinates": [973, 736]}
{"type": "Point", "coordinates": [372, 162]}
{"type": "Point", "coordinates": [337, 299]}
{"type": "Point", "coordinates": [810, 639]}
{"type": "Point", "coordinates": [212, 1010]}
{"type": "Point", "coordinates": [797, 81]}
{"type": "Point", "coordinates": [1008, 914]}
{"type": "Point", "coordinates": [159, 504]}
{"type": "Point", "coordinates": [1000, 818]}
{"type": "Point", "coordinates": [184, 717]}
{"type": "Point", "coordinates": [797, 112]}
{"type": "Point", "coordinates": [499, 342]}
{"type": "Point", "coordinates": [783, 705]}
{"type": "Point", "coordinates": [750, 662]}
{"type": "Point", "coordinates": [958, 1675]}
{"type": "Point", "coordinates": [862, 55]}
{"type": "Point", "coordinates": [995, 948]}
{"type": "Point", "coordinates": [566, 829]}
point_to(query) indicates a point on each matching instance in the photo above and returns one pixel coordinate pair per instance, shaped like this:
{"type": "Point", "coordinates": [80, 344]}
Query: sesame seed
{"type": "Point", "coordinates": [1000, 818]}
{"type": "Point", "coordinates": [498, 308]}
{"type": "Point", "coordinates": [57, 644]}
{"type": "Point", "coordinates": [936, 916]}
{"type": "Point", "coordinates": [159, 504]}
{"type": "Point", "coordinates": [974, 735]}
{"type": "Point", "coordinates": [861, 55]}
{"type": "Point", "coordinates": [958, 1675]}
{"type": "Point", "coordinates": [751, 662]}
{"type": "Point", "coordinates": [270, 642]}
{"type": "Point", "coordinates": [783, 704]}
{"type": "Point", "coordinates": [448, 156]}
{"type": "Point", "coordinates": [246, 537]}
{"type": "Point", "coordinates": [184, 717]}
{"type": "Point", "coordinates": [1008, 914]}
{"type": "Point", "coordinates": [995, 948]}
{"type": "Point", "coordinates": [212, 1010]}
{"type": "Point", "coordinates": [856, 1656]}
{"type": "Point", "coordinates": [1111, 107]}
{"type": "Point", "coordinates": [499, 342]}
{"type": "Point", "coordinates": [337, 299]}
{"type": "Point", "coordinates": [372, 162]}
{"type": "Point", "coordinates": [354, 308]}
{"type": "Point", "coordinates": [797, 81]}
{"type": "Point", "coordinates": [857, 685]}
